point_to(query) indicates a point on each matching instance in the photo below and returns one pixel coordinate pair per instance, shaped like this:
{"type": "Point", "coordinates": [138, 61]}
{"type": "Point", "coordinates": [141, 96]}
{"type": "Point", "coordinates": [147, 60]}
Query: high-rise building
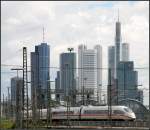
{"type": "Point", "coordinates": [125, 52]}
{"type": "Point", "coordinates": [40, 62]}
{"type": "Point", "coordinates": [16, 95]}
{"type": "Point", "coordinates": [68, 75]}
{"type": "Point", "coordinates": [111, 60]}
{"type": "Point", "coordinates": [127, 80]}
{"type": "Point", "coordinates": [117, 45]}
{"type": "Point", "coordinates": [90, 72]}
{"type": "Point", "coordinates": [98, 49]}
{"type": "Point", "coordinates": [81, 50]}
{"type": "Point", "coordinates": [122, 79]}
{"type": "Point", "coordinates": [16, 88]}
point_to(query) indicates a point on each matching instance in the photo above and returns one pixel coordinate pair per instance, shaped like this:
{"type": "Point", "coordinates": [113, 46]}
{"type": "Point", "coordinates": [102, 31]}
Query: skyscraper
{"type": "Point", "coordinates": [16, 97]}
{"type": "Point", "coordinates": [127, 80]}
{"type": "Point", "coordinates": [111, 60]}
{"type": "Point", "coordinates": [98, 49]}
{"type": "Point", "coordinates": [117, 44]}
{"type": "Point", "coordinates": [81, 49]}
{"type": "Point", "coordinates": [68, 75]}
{"type": "Point", "coordinates": [125, 52]}
{"type": "Point", "coordinates": [40, 61]}
{"type": "Point", "coordinates": [16, 89]}
{"type": "Point", "coordinates": [90, 72]}
{"type": "Point", "coordinates": [123, 81]}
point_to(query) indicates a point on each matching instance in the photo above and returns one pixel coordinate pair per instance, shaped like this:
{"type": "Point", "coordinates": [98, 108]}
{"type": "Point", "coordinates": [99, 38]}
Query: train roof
{"type": "Point", "coordinates": [102, 107]}
{"type": "Point", "coordinates": [65, 108]}
{"type": "Point", "coordinates": [62, 108]}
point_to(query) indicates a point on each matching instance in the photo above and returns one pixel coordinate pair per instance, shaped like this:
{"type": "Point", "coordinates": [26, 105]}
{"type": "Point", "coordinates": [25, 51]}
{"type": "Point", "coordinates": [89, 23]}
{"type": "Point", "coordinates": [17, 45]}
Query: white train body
{"type": "Point", "coordinates": [87, 113]}
{"type": "Point", "coordinates": [61, 113]}
{"type": "Point", "coordinates": [102, 113]}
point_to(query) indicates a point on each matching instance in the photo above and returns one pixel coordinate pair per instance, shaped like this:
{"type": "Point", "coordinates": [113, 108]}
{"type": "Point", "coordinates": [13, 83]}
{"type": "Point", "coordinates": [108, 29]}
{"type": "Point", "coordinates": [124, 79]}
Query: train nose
{"type": "Point", "coordinates": [133, 115]}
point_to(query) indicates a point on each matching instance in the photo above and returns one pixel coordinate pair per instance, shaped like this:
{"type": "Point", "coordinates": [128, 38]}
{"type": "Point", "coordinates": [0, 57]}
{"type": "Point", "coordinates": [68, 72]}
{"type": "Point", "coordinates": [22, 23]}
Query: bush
{"type": "Point", "coordinates": [6, 124]}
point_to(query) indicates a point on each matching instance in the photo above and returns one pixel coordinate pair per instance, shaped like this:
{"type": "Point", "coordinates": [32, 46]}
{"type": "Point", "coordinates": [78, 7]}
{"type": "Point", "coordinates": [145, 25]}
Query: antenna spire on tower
{"type": "Point", "coordinates": [118, 14]}
{"type": "Point", "coordinates": [43, 34]}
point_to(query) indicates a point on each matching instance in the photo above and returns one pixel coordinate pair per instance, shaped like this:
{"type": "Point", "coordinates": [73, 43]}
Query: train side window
{"type": "Point", "coordinates": [118, 112]}
{"type": "Point", "coordinates": [95, 111]}
{"type": "Point", "coordinates": [101, 112]}
{"type": "Point", "coordinates": [89, 112]}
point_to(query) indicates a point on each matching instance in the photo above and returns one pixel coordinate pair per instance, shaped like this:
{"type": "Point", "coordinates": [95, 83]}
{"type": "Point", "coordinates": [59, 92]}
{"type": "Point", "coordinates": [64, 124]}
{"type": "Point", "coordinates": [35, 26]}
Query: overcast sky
{"type": "Point", "coordinates": [68, 24]}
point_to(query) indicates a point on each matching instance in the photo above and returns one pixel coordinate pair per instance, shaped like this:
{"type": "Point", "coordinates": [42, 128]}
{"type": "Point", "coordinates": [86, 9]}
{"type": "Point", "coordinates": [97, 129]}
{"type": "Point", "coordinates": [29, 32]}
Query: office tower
{"type": "Point", "coordinates": [122, 80]}
{"type": "Point", "coordinates": [111, 60]}
{"type": "Point", "coordinates": [68, 75]}
{"type": "Point", "coordinates": [40, 62]}
{"type": "Point", "coordinates": [127, 80]}
{"type": "Point", "coordinates": [117, 45]}
{"type": "Point", "coordinates": [16, 88]}
{"type": "Point", "coordinates": [81, 50]}
{"type": "Point", "coordinates": [57, 86]}
{"type": "Point", "coordinates": [125, 52]}
{"type": "Point", "coordinates": [89, 61]}
{"type": "Point", "coordinates": [16, 96]}
{"type": "Point", "coordinates": [98, 48]}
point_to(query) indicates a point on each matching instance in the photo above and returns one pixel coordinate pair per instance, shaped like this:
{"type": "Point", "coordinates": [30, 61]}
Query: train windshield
{"type": "Point", "coordinates": [127, 110]}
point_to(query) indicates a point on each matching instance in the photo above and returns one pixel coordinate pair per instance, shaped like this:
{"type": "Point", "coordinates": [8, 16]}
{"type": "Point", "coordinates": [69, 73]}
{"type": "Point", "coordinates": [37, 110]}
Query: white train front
{"type": "Point", "coordinates": [87, 113]}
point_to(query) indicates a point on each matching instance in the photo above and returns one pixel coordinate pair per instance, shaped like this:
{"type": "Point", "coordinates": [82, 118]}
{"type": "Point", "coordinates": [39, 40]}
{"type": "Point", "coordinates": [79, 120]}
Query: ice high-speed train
{"type": "Point", "coordinates": [87, 113]}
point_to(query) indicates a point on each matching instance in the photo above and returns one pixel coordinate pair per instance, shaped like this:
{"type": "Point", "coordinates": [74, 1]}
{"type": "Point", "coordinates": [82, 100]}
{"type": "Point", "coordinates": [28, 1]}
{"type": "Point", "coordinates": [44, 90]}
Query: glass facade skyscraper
{"type": "Point", "coordinates": [122, 78]}
{"type": "Point", "coordinates": [125, 52]}
{"type": "Point", "coordinates": [16, 96]}
{"type": "Point", "coordinates": [68, 74]}
{"type": "Point", "coordinates": [16, 89]}
{"type": "Point", "coordinates": [117, 45]}
{"type": "Point", "coordinates": [111, 60]}
{"type": "Point", "coordinates": [40, 62]}
{"type": "Point", "coordinates": [127, 80]}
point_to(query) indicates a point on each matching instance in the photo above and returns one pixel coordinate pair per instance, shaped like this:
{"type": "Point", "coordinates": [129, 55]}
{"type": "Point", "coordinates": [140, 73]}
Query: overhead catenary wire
{"type": "Point", "coordinates": [5, 65]}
